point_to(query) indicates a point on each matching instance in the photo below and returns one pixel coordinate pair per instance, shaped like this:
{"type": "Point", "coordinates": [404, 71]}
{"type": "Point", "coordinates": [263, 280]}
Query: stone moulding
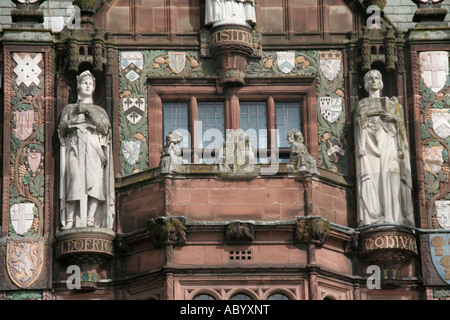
{"type": "Point", "coordinates": [85, 244]}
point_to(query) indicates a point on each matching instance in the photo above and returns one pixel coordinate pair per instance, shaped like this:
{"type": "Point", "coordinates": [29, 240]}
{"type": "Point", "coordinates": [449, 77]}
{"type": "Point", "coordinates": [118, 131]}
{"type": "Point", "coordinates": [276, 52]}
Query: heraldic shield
{"type": "Point", "coordinates": [440, 254]}
{"type": "Point", "coordinates": [24, 260]}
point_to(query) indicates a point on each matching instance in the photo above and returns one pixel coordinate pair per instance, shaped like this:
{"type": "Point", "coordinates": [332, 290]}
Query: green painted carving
{"type": "Point", "coordinates": [133, 135]}
{"type": "Point", "coordinates": [157, 65]}
{"type": "Point", "coordinates": [24, 295]}
{"type": "Point", "coordinates": [435, 148]}
{"type": "Point", "coordinates": [27, 137]}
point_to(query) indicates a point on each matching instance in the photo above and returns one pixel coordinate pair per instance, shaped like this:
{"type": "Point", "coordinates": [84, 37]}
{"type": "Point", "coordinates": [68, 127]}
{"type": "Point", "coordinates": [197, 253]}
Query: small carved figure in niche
{"type": "Point", "coordinates": [383, 167]}
{"type": "Point", "coordinates": [171, 159]}
{"type": "Point", "coordinates": [236, 154]}
{"type": "Point", "coordinates": [87, 175]}
{"type": "Point", "coordinates": [236, 12]}
{"type": "Point", "coordinates": [300, 158]}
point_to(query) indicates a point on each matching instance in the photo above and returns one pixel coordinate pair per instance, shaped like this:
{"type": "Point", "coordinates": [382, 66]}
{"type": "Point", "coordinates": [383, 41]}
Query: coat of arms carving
{"type": "Point", "coordinates": [177, 61]}
{"type": "Point", "coordinates": [286, 61]}
{"type": "Point", "coordinates": [440, 254]}
{"type": "Point", "coordinates": [330, 64]}
{"type": "Point", "coordinates": [131, 151]}
{"type": "Point", "coordinates": [132, 64]}
{"type": "Point", "coordinates": [24, 260]}
{"type": "Point", "coordinates": [134, 108]}
{"type": "Point", "coordinates": [434, 69]}
{"type": "Point", "coordinates": [330, 108]}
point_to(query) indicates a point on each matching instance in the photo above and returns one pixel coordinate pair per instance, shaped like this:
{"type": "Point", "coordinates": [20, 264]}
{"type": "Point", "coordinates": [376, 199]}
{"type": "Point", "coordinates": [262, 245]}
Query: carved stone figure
{"type": "Point", "coordinates": [300, 158]}
{"type": "Point", "coordinates": [383, 168]}
{"type": "Point", "coordinates": [236, 154]}
{"type": "Point", "coordinates": [171, 159]}
{"type": "Point", "coordinates": [236, 12]}
{"type": "Point", "coordinates": [87, 175]}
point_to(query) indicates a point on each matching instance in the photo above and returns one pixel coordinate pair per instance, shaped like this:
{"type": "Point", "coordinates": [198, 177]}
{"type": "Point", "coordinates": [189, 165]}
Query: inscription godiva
{"type": "Point", "coordinates": [82, 245]}
{"type": "Point", "coordinates": [380, 242]}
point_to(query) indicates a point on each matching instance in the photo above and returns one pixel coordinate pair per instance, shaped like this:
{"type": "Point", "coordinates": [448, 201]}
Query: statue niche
{"type": "Point", "coordinates": [86, 165]}
{"type": "Point", "coordinates": [384, 184]}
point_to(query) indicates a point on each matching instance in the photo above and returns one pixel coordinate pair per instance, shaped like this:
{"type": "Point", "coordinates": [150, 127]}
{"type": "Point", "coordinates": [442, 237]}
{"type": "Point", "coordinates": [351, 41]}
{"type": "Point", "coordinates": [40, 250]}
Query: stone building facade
{"type": "Point", "coordinates": [233, 149]}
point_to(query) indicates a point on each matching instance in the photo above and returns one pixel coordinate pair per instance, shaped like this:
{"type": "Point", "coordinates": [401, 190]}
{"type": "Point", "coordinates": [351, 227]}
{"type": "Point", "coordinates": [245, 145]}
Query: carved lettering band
{"type": "Point", "coordinates": [85, 245]}
{"type": "Point", "coordinates": [380, 242]}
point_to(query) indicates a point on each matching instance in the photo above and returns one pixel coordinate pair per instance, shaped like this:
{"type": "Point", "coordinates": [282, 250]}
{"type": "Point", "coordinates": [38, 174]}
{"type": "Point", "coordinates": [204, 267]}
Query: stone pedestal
{"type": "Point", "coordinates": [88, 248]}
{"type": "Point", "coordinates": [231, 46]}
{"type": "Point", "coordinates": [391, 249]}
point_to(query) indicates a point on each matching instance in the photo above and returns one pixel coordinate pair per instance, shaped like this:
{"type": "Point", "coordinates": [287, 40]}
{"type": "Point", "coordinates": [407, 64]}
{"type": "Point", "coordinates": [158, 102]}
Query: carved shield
{"type": "Point", "coordinates": [443, 213]}
{"type": "Point", "coordinates": [434, 69]}
{"type": "Point", "coordinates": [286, 61]}
{"type": "Point", "coordinates": [330, 108]}
{"type": "Point", "coordinates": [131, 151]}
{"type": "Point", "coordinates": [177, 61]}
{"type": "Point", "coordinates": [22, 216]}
{"type": "Point", "coordinates": [24, 120]}
{"type": "Point", "coordinates": [330, 63]}
{"type": "Point", "coordinates": [24, 260]}
{"type": "Point", "coordinates": [134, 108]}
{"type": "Point", "coordinates": [132, 64]}
{"type": "Point", "coordinates": [441, 122]}
{"type": "Point", "coordinates": [34, 162]}
{"type": "Point", "coordinates": [27, 70]}
{"type": "Point", "coordinates": [433, 159]}
{"type": "Point", "coordinates": [440, 254]}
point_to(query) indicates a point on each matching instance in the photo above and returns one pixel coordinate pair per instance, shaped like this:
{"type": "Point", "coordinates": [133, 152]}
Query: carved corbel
{"type": "Point", "coordinates": [313, 230]}
{"type": "Point", "coordinates": [167, 230]}
{"type": "Point", "coordinates": [240, 232]}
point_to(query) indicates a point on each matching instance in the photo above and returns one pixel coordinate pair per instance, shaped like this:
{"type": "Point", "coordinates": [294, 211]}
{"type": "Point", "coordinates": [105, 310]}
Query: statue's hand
{"type": "Point", "coordinates": [361, 153]}
{"type": "Point", "coordinates": [82, 109]}
{"type": "Point", "coordinates": [104, 161]}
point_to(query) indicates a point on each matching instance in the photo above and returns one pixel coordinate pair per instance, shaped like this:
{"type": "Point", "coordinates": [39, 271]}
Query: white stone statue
{"type": "Point", "coordinates": [87, 176]}
{"type": "Point", "coordinates": [171, 159]}
{"type": "Point", "coordinates": [300, 159]}
{"type": "Point", "coordinates": [237, 155]}
{"type": "Point", "coordinates": [236, 12]}
{"type": "Point", "coordinates": [383, 171]}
